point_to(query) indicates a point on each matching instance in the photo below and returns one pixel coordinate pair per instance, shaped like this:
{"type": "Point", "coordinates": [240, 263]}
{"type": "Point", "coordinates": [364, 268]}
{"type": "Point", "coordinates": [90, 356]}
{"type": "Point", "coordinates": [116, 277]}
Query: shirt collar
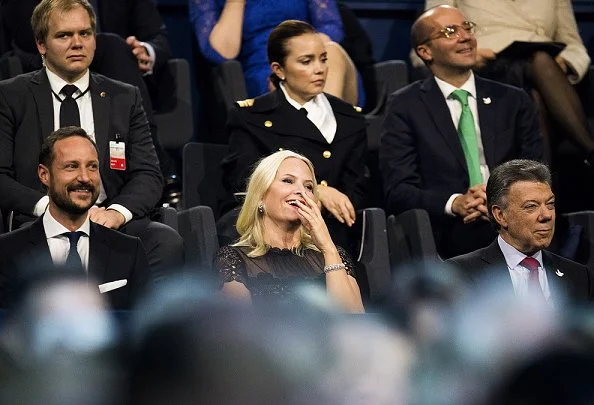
{"type": "Point", "coordinates": [513, 257]}
{"type": "Point", "coordinates": [53, 228]}
{"type": "Point", "coordinates": [57, 83]}
{"type": "Point", "coordinates": [447, 89]}
{"type": "Point", "coordinates": [309, 104]}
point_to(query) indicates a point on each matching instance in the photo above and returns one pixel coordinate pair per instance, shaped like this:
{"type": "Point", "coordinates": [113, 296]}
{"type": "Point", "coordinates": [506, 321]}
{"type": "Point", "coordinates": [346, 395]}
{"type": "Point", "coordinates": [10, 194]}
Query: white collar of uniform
{"type": "Point", "coordinates": [318, 104]}
{"type": "Point", "coordinates": [513, 257]}
{"type": "Point", "coordinates": [53, 228]}
{"type": "Point", "coordinates": [57, 83]}
{"type": "Point", "coordinates": [447, 89]}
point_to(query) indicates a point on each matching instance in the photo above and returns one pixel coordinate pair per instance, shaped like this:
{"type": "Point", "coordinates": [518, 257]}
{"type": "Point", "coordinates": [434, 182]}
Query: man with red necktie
{"type": "Point", "coordinates": [521, 205]}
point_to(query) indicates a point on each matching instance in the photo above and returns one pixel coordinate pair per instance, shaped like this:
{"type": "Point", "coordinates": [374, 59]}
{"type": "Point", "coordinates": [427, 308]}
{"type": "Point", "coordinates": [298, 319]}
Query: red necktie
{"type": "Point", "coordinates": [533, 283]}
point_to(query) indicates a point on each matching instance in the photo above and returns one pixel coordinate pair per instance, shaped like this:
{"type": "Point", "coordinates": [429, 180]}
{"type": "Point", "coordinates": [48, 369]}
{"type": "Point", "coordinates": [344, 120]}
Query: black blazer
{"type": "Point", "coordinates": [27, 118]}
{"type": "Point", "coordinates": [421, 158]}
{"type": "Point", "coordinates": [576, 279]}
{"type": "Point", "coordinates": [271, 124]}
{"type": "Point", "coordinates": [112, 256]}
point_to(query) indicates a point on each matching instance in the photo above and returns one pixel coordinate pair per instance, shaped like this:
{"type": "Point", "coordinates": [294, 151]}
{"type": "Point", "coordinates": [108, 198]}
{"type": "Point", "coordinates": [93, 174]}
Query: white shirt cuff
{"type": "Point", "coordinates": [448, 206]}
{"type": "Point", "coordinates": [122, 210]}
{"type": "Point", "coordinates": [151, 51]}
{"type": "Point", "coordinates": [41, 206]}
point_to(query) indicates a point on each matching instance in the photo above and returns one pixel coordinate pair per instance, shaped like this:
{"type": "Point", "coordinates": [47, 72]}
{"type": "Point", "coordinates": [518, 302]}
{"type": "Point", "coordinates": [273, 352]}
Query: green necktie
{"type": "Point", "coordinates": [467, 133]}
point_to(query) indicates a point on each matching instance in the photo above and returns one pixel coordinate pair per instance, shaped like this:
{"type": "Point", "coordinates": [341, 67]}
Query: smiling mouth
{"type": "Point", "coordinates": [294, 202]}
{"type": "Point", "coordinates": [82, 189]}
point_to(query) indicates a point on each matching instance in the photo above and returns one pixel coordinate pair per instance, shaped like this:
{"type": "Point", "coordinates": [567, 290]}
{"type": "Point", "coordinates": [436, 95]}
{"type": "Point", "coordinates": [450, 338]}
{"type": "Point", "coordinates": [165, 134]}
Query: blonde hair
{"type": "Point", "coordinates": [250, 223]}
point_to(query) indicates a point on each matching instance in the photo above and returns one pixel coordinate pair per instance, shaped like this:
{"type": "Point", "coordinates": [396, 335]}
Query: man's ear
{"type": "Point", "coordinates": [424, 52]}
{"type": "Point", "coordinates": [499, 216]}
{"type": "Point", "coordinates": [44, 174]}
{"type": "Point", "coordinates": [41, 47]}
{"type": "Point", "coordinates": [278, 70]}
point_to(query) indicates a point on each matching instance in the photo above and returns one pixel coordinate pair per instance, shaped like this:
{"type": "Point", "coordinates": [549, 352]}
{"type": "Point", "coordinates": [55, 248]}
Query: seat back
{"type": "Point", "coordinates": [197, 228]}
{"type": "Point", "coordinates": [202, 174]}
{"type": "Point", "coordinates": [580, 246]}
{"type": "Point", "coordinates": [410, 237]}
{"type": "Point", "coordinates": [176, 126]}
{"type": "Point", "coordinates": [373, 252]}
{"type": "Point", "coordinates": [390, 76]}
{"type": "Point", "coordinates": [10, 66]}
{"type": "Point", "coordinates": [229, 83]}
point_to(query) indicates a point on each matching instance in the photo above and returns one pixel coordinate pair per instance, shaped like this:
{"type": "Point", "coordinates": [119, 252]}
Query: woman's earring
{"type": "Point", "coordinates": [261, 208]}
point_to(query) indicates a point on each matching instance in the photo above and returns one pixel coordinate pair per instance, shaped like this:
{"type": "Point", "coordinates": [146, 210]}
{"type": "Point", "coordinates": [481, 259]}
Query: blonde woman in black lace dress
{"type": "Point", "coordinates": [284, 242]}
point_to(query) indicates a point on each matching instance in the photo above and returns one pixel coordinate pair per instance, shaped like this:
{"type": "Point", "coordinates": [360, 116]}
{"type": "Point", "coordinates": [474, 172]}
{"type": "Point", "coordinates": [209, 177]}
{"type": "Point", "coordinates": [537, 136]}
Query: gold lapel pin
{"type": "Point", "coordinates": [102, 94]}
{"type": "Point", "coordinates": [267, 124]}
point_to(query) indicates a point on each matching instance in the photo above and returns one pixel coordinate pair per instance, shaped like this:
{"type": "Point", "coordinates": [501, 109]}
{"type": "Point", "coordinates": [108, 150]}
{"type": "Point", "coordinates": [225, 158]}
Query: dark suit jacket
{"type": "Point", "coordinates": [576, 281]}
{"type": "Point", "coordinates": [27, 118]}
{"type": "Point", "coordinates": [112, 256]}
{"type": "Point", "coordinates": [341, 163]}
{"type": "Point", "coordinates": [421, 158]}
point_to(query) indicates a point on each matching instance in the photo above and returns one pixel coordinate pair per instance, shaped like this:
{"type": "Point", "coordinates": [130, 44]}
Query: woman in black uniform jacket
{"type": "Point", "coordinates": [298, 116]}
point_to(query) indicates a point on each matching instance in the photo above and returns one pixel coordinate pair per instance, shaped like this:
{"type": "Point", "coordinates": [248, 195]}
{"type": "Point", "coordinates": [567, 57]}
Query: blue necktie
{"type": "Point", "coordinates": [73, 260]}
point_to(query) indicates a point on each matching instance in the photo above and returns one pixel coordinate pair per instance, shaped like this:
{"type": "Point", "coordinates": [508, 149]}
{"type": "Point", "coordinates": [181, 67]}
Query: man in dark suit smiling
{"type": "Point", "coordinates": [522, 206]}
{"type": "Point", "coordinates": [443, 135]}
{"type": "Point", "coordinates": [64, 235]}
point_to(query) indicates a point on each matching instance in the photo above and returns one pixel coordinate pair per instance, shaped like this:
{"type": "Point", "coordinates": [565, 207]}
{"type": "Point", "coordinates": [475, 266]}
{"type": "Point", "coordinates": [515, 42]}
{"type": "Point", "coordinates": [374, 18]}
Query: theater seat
{"type": "Point", "coordinates": [410, 237]}
{"type": "Point", "coordinates": [202, 174]}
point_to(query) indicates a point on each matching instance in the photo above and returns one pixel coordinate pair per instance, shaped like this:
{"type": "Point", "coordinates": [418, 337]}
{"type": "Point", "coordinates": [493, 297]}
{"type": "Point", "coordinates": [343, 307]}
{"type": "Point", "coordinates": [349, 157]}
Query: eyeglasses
{"type": "Point", "coordinates": [453, 31]}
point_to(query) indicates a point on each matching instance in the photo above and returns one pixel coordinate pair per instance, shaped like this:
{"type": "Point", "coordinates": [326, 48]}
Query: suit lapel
{"type": "Point", "coordinates": [440, 113]}
{"type": "Point", "coordinates": [101, 101]}
{"type": "Point", "coordinates": [42, 94]}
{"type": "Point", "coordinates": [562, 282]}
{"type": "Point", "coordinates": [38, 241]}
{"type": "Point", "coordinates": [98, 254]}
{"type": "Point", "coordinates": [493, 257]}
{"type": "Point", "coordinates": [486, 111]}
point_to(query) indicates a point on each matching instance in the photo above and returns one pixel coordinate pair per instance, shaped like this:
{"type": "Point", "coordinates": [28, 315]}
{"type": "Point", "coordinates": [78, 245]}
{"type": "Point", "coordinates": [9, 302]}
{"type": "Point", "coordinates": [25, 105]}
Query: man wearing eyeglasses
{"type": "Point", "coordinates": [442, 135]}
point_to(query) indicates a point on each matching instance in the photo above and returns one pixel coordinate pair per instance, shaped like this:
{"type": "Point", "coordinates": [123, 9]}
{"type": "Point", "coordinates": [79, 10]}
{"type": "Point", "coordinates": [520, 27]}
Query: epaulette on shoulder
{"type": "Point", "coordinates": [357, 108]}
{"type": "Point", "coordinates": [248, 102]}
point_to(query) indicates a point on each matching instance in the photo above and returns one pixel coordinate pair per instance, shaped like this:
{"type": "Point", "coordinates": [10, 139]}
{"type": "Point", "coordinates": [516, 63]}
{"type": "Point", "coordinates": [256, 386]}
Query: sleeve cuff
{"type": "Point", "coordinates": [449, 203]}
{"type": "Point", "coordinates": [151, 51]}
{"type": "Point", "coordinates": [122, 210]}
{"type": "Point", "coordinates": [41, 206]}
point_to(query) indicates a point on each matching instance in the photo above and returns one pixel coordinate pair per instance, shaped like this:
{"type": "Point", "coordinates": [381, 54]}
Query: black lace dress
{"type": "Point", "coordinates": [277, 273]}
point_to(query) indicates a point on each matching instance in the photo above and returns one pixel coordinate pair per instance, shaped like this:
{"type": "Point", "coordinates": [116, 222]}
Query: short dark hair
{"type": "Point", "coordinates": [277, 42]}
{"type": "Point", "coordinates": [42, 12]}
{"type": "Point", "coordinates": [508, 173]}
{"type": "Point", "coordinates": [47, 154]}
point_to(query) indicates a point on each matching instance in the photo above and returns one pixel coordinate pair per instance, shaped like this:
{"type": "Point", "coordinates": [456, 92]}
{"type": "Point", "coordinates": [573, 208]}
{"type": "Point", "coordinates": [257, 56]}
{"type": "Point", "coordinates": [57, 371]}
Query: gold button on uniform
{"type": "Point", "coordinates": [540, 31]}
{"type": "Point", "coordinates": [267, 124]}
{"type": "Point", "coordinates": [324, 183]}
{"type": "Point", "coordinates": [327, 154]}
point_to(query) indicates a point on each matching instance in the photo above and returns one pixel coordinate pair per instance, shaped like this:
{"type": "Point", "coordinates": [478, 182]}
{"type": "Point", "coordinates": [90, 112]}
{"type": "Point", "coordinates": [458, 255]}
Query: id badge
{"type": "Point", "coordinates": [117, 155]}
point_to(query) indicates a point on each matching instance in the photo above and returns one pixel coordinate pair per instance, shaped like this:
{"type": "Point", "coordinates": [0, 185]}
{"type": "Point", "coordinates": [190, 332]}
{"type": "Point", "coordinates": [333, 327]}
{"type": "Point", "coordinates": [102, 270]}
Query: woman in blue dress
{"type": "Point", "coordinates": [239, 29]}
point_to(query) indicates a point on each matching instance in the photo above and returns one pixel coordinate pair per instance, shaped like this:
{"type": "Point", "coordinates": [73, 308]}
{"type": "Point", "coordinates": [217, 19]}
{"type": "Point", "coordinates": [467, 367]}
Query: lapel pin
{"type": "Point", "coordinates": [267, 124]}
{"type": "Point", "coordinates": [487, 100]}
{"type": "Point", "coordinates": [102, 94]}
{"type": "Point", "coordinates": [557, 272]}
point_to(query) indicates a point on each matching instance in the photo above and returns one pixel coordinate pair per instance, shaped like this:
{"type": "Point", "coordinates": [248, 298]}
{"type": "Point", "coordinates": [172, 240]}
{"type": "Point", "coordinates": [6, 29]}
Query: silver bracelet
{"type": "Point", "coordinates": [334, 267]}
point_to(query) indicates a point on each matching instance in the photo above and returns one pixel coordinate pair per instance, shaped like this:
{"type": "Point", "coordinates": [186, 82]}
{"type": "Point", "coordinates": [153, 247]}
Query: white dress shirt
{"type": "Point", "coordinates": [59, 245]}
{"type": "Point", "coordinates": [87, 122]}
{"type": "Point", "coordinates": [519, 274]}
{"type": "Point", "coordinates": [455, 108]}
{"type": "Point", "coordinates": [319, 111]}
